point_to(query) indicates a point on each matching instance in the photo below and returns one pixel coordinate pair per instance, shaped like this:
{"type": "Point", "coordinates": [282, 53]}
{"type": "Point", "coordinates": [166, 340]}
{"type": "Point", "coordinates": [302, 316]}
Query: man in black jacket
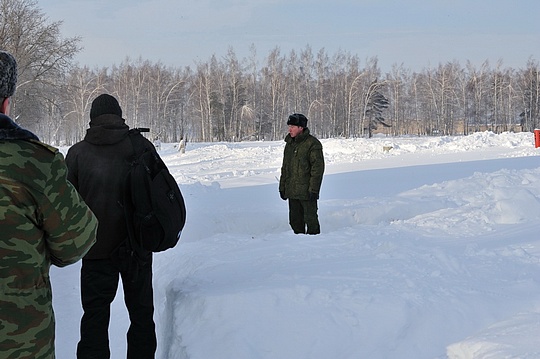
{"type": "Point", "coordinates": [97, 168]}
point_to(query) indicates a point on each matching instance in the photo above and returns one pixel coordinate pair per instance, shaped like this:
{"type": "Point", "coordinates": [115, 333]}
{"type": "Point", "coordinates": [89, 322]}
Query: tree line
{"type": "Point", "coordinates": [231, 99]}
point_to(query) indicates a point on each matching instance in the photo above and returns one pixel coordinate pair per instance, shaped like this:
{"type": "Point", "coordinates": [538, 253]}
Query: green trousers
{"type": "Point", "coordinates": [303, 216]}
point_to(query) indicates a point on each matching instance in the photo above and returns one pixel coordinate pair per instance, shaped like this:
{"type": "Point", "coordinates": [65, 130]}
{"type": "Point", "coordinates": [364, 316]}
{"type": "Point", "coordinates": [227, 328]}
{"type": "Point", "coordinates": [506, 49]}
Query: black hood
{"type": "Point", "coordinates": [106, 130]}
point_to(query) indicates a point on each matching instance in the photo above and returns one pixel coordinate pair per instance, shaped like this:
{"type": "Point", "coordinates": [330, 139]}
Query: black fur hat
{"type": "Point", "coordinates": [297, 119]}
{"type": "Point", "coordinates": [105, 104]}
{"type": "Point", "coordinates": [8, 74]}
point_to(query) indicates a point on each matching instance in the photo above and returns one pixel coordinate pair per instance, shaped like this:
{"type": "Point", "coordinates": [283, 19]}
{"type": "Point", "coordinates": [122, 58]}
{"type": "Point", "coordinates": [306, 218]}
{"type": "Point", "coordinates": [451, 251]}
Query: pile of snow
{"type": "Point", "coordinates": [428, 250]}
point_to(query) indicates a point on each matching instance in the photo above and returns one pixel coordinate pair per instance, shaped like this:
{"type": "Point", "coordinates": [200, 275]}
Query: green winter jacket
{"type": "Point", "coordinates": [43, 220]}
{"type": "Point", "coordinates": [303, 166]}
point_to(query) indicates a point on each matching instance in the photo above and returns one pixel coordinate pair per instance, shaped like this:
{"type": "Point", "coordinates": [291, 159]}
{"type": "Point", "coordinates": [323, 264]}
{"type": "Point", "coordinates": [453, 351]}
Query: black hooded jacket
{"type": "Point", "coordinates": [97, 167]}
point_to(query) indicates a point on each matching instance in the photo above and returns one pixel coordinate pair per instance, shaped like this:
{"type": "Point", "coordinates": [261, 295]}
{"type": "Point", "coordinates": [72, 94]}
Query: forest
{"type": "Point", "coordinates": [227, 98]}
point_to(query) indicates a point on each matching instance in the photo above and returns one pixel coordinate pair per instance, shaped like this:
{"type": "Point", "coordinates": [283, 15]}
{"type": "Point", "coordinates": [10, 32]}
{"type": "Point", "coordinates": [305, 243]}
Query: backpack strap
{"type": "Point", "coordinates": [133, 247]}
{"type": "Point", "coordinates": [137, 141]}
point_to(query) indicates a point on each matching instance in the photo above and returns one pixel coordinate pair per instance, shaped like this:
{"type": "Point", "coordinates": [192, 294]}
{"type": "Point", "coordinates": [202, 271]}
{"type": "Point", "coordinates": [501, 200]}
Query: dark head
{"type": "Point", "coordinates": [8, 79]}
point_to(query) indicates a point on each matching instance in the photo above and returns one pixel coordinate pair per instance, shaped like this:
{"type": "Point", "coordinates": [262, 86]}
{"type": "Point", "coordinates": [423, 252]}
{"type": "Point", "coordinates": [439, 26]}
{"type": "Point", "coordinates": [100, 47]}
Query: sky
{"type": "Point", "coordinates": [417, 34]}
{"type": "Point", "coordinates": [427, 251]}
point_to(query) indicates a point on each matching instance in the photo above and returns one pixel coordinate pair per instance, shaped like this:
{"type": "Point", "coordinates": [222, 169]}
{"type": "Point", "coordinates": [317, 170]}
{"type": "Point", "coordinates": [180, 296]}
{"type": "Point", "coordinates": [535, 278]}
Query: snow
{"type": "Point", "coordinates": [429, 250]}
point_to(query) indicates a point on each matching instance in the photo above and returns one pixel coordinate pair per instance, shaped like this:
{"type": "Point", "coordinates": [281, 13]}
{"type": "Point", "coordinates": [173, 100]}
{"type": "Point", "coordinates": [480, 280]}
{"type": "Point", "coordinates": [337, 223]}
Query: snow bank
{"type": "Point", "coordinates": [429, 250]}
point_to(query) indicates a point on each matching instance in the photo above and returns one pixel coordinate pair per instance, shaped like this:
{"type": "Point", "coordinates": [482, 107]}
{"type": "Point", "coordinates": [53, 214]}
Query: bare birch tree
{"type": "Point", "coordinates": [43, 58]}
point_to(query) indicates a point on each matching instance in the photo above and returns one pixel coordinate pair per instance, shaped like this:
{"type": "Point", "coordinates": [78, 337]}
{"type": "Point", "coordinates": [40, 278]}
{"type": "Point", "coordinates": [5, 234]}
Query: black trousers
{"type": "Point", "coordinates": [303, 216]}
{"type": "Point", "coordinates": [99, 283]}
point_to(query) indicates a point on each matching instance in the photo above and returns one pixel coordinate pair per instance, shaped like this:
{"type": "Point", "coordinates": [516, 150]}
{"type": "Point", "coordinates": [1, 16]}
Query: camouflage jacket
{"type": "Point", "coordinates": [303, 166]}
{"type": "Point", "coordinates": [43, 220]}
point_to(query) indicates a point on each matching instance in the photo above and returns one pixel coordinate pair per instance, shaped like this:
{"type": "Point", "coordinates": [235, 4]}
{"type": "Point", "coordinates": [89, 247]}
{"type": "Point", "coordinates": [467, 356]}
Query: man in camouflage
{"type": "Point", "coordinates": [301, 175]}
{"type": "Point", "coordinates": [43, 221]}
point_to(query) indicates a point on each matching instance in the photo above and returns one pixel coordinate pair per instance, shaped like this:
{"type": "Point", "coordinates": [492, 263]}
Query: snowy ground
{"type": "Point", "coordinates": [428, 251]}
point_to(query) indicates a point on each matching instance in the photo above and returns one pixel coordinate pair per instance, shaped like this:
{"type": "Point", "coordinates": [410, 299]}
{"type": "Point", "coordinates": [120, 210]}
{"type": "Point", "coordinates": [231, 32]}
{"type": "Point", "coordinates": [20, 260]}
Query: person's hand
{"type": "Point", "coordinates": [282, 195]}
{"type": "Point", "coordinates": [313, 196]}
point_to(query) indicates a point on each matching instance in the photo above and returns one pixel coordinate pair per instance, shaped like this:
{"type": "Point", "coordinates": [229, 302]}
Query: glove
{"type": "Point", "coordinates": [313, 196]}
{"type": "Point", "coordinates": [282, 195]}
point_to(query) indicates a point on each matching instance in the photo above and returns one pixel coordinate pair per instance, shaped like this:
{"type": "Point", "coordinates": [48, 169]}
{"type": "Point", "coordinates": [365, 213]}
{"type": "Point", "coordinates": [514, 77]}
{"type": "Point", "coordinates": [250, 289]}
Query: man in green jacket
{"type": "Point", "coordinates": [43, 221]}
{"type": "Point", "coordinates": [301, 175]}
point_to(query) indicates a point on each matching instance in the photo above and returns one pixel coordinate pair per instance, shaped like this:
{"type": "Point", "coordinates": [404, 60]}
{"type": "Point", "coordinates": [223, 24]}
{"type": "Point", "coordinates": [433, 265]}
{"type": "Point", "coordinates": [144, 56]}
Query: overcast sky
{"type": "Point", "coordinates": [415, 33]}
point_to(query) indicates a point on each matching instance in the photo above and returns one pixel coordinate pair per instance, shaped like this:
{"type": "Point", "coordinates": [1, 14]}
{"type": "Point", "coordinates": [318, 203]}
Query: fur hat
{"type": "Point", "coordinates": [297, 119]}
{"type": "Point", "coordinates": [8, 74]}
{"type": "Point", "coordinates": [105, 104]}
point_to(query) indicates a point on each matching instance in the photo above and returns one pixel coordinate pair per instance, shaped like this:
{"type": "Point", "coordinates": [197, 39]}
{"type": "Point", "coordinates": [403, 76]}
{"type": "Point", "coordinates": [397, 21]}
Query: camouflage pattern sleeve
{"type": "Point", "coordinates": [317, 166]}
{"type": "Point", "coordinates": [68, 222]}
{"type": "Point", "coordinates": [42, 220]}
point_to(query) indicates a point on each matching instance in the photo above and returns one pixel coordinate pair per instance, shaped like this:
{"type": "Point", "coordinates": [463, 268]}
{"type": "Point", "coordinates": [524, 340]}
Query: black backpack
{"type": "Point", "coordinates": [153, 204]}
